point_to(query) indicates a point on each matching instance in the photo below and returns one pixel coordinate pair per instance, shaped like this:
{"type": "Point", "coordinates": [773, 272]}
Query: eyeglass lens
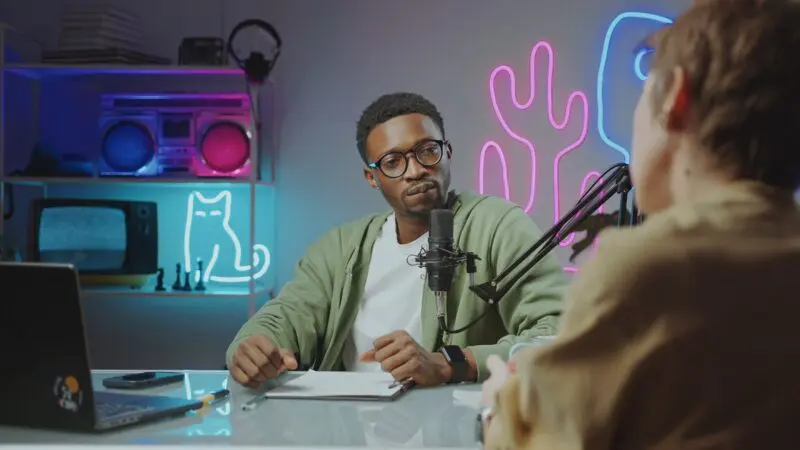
{"type": "Point", "coordinates": [395, 164]}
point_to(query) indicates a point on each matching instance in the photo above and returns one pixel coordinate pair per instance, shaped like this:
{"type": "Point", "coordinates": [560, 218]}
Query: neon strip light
{"type": "Point", "coordinates": [503, 168]}
{"type": "Point", "coordinates": [601, 74]}
{"type": "Point", "coordinates": [641, 74]}
{"type": "Point", "coordinates": [575, 96]}
{"type": "Point", "coordinates": [587, 181]}
{"type": "Point", "coordinates": [220, 206]}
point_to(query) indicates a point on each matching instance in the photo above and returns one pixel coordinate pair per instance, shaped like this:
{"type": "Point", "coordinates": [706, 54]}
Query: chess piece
{"type": "Point", "coordinates": [186, 285]}
{"type": "Point", "coordinates": [176, 286]}
{"type": "Point", "coordinates": [200, 286]}
{"type": "Point", "coordinates": [160, 280]}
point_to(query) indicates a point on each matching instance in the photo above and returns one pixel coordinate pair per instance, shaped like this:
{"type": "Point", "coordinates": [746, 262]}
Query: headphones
{"type": "Point", "coordinates": [256, 67]}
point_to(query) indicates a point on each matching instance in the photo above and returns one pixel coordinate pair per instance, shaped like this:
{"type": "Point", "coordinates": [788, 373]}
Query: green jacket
{"type": "Point", "coordinates": [314, 313]}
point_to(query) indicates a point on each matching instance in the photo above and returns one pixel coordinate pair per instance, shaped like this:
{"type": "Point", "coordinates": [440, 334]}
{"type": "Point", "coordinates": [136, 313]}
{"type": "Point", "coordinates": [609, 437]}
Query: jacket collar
{"type": "Point", "coordinates": [362, 243]}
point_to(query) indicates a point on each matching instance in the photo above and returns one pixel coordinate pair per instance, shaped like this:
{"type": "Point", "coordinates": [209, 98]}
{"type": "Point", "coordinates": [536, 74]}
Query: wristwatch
{"type": "Point", "coordinates": [458, 362]}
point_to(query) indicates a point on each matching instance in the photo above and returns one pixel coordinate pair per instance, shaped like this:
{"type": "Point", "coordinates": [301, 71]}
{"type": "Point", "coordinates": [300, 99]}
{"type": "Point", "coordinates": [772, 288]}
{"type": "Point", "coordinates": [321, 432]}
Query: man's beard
{"type": "Point", "coordinates": [423, 211]}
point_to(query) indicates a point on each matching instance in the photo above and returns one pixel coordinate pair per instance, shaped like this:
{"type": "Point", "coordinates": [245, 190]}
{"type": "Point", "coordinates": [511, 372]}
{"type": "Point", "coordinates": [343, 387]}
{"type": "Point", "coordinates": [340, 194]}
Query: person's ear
{"type": "Point", "coordinates": [449, 150]}
{"type": "Point", "coordinates": [369, 175]}
{"type": "Point", "coordinates": [677, 102]}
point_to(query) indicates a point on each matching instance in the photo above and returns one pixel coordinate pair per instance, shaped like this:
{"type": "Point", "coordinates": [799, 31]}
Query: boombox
{"type": "Point", "coordinates": [202, 135]}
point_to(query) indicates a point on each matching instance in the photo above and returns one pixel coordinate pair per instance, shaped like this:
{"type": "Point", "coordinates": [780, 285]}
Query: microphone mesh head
{"type": "Point", "coordinates": [442, 224]}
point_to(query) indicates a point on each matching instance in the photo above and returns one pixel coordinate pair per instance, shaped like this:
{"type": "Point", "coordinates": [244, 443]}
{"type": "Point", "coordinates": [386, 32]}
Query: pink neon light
{"type": "Point", "coordinates": [558, 125]}
{"type": "Point", "coordinates": [587, 181]}
{"type": "Point", "coordinates": [590, 178]}
{"type": "Point", "coordinates": [503, 168]}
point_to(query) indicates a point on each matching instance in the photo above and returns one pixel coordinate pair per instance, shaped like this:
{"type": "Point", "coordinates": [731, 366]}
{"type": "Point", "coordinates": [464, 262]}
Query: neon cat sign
{"type": "Point", "coordinates": [218, 208]}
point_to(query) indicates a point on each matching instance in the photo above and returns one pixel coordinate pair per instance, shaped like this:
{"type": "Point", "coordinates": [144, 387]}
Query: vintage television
{"type": "Point", "coordinates": [198, 135]}
{"type": "Point", "coordinates": [110, 242]}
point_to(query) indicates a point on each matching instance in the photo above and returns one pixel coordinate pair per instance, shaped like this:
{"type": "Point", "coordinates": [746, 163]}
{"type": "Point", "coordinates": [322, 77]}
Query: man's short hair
{"type": "Point", "coordinates": [742, 60]}
{"type": "Point", "coordinates": [389, 106]}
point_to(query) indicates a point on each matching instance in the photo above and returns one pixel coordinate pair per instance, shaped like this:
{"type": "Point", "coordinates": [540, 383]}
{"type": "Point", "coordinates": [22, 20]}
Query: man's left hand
{"type": "Point", "coordinates": [401, 356]}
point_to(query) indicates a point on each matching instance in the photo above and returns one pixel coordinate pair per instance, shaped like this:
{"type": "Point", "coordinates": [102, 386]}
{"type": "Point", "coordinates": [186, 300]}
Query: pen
{"type": "Point", "coordinates": [253, 404]}
{"type": "Point", "coordinates": [405, 383]}
{"type": "Point", "coordinates": [215, 396]}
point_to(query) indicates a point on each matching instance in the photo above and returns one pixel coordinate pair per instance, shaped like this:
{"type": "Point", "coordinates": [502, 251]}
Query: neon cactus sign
{"type": "Point", "coordinates": [576, 99]}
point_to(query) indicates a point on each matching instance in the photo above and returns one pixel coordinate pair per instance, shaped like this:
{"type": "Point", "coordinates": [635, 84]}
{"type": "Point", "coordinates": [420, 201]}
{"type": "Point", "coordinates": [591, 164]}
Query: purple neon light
{"type": "Point", "coordinates": [559, 125]}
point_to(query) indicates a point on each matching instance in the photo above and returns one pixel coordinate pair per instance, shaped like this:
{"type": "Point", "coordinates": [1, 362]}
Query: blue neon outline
{"type": "Point", "coordinates": [602, 70]}
{"type": "Point", "coordinates": [637, 65]}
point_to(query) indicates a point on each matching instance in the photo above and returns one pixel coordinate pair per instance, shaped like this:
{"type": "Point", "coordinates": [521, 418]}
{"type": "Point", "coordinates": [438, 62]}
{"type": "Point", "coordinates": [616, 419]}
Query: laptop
{"type": "Point", "coordinates": [45, 380]}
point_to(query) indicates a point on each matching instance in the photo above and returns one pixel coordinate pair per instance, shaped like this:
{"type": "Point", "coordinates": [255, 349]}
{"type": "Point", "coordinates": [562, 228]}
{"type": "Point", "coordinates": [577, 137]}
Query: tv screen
{"type": "Point", "coordinates": [92, 238]}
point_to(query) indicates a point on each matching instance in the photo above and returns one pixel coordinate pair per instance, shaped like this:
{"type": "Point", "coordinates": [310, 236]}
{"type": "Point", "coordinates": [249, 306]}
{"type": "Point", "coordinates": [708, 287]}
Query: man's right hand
{"type": "Point", "coordinates": [257, 360]}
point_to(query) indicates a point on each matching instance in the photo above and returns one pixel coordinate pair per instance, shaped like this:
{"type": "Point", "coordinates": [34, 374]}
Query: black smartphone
{"type": "Point", "coordinates": [143, 380]}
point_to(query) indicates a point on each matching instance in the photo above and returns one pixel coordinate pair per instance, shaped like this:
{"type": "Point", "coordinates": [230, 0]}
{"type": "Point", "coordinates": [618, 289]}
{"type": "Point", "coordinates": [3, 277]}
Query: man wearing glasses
{"type": "Point", "coordinates": [359, 303]}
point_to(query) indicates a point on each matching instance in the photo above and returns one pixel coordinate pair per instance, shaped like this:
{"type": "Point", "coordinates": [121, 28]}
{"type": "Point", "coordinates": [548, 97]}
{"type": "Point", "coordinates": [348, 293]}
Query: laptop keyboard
{"type": "Point", "coordinates": [107, 410]}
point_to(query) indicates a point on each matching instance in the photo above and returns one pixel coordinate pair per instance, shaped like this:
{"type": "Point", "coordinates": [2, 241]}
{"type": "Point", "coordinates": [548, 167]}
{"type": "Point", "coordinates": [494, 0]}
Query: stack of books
{"type": "Point", "coordinates": [97, 32]}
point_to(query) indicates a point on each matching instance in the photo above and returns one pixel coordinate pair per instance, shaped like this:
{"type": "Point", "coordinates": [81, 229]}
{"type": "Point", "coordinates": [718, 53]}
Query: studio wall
{"type": "Point", "coordinates": [537, 101]}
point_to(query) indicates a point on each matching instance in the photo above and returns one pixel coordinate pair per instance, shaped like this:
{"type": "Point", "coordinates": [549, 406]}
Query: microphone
{"type": "Point", "coordinates": [439, 266]}
{"type": "Point", "coordinates": [440, 260]}
{"type": "Point", "coordinates": [440, 247]}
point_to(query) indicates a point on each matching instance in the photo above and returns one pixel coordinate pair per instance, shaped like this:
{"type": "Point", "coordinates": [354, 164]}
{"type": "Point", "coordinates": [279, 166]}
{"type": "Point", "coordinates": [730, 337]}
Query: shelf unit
{"type": "Point", "coordinates": [149, 181]}
{"type": "Point", "coordinates": [40, 72]}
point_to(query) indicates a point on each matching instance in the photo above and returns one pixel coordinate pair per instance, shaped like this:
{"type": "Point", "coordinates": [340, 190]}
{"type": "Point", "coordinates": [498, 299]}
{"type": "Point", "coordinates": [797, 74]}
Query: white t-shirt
{"type": "Point", "coordinates": [392, 297]}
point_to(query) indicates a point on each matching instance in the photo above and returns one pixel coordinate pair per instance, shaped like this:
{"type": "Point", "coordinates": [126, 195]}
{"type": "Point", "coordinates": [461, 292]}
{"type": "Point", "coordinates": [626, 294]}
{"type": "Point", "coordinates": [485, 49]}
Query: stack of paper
{"type": "Point", "coordinates": [340, 386]}
{"type": "Point", "coordinates": [98, 24]}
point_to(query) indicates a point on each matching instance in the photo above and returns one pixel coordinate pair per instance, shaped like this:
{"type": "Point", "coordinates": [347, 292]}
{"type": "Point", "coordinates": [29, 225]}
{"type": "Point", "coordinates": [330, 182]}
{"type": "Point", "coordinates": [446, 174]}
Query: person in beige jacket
{"type": "Point", "coordinates": [684, 332]}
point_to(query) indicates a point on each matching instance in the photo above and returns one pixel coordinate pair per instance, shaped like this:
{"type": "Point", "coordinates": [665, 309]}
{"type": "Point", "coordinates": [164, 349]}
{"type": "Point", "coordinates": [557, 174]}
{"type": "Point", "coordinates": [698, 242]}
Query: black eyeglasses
{"type": "Point", "coordinates": [395, 164]}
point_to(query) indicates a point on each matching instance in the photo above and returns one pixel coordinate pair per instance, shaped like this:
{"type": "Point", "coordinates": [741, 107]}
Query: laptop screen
{"type": "Point", "coordinates": [45, 370]}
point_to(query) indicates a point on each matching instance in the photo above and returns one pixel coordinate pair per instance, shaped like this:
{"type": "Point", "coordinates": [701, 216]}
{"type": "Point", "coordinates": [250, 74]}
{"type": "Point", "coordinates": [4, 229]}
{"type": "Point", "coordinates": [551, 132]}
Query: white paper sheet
{"type": "Point", "coordinates": [339, 385]}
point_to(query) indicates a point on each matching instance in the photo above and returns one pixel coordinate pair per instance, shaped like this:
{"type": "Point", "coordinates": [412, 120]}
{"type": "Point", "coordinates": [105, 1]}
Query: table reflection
{"type": "Point", "coordinates": [216, 424]}
{"type": "Point", "coordinates": [420, 418]}
{"type": "Point", "coordinates": [212, 421]}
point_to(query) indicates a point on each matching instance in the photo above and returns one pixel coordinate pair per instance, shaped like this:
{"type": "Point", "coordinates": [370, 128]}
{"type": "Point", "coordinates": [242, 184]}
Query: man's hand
{"type": "Point", "coordinates": [257, 360]}
{"type": "Point", "coordinates": [499, 372]}
{"type": "Point", "coordinates": [399, 355]}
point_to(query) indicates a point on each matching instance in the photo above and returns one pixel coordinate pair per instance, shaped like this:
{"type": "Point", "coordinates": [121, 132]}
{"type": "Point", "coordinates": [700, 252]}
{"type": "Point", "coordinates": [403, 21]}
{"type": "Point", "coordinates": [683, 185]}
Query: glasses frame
{"type": "Point", "coordinates": [442, 144]}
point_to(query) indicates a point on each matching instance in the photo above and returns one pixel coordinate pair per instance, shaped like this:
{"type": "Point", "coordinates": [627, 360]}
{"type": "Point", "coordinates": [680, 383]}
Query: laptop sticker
{"type": "Point", "coordinates": [68, 393]}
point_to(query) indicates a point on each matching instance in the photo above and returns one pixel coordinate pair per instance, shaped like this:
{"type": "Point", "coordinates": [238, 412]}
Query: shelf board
{"type": "Point", "coordinates": [44, 70]}
{"type": "Point", "coordinates": [157, 181]}
{"type": "Point", "coordinates": [150, 292]}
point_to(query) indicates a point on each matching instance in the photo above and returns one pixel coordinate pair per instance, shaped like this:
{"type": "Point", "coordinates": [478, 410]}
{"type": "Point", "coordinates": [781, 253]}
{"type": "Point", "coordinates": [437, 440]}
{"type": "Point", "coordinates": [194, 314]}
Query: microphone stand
{"type": "Point", "coordinates": [617, 182]}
